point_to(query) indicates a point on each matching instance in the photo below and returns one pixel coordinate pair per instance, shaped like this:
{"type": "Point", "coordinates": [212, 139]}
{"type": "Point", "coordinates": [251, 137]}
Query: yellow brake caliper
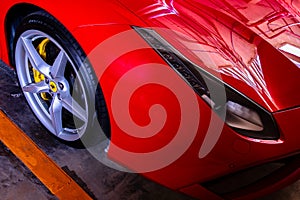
{"type": "Point", "coordinates": [38, 77]}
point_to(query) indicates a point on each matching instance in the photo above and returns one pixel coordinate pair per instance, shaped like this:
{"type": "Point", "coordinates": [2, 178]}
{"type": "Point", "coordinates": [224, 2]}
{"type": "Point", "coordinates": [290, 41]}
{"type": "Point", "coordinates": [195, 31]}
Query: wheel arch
{"type": "Point", "coordinates": [13, 18]}
{"type": "Point", "coordinates": [112, 13]}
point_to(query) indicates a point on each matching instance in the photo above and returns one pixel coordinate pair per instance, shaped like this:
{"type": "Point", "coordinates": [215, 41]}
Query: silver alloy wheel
{"type": "Point", "coordinates": [51, 98]}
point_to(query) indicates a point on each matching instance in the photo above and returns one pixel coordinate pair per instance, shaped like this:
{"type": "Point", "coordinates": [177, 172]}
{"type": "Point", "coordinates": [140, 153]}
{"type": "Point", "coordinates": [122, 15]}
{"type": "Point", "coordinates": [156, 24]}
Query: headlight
{"type": "Point", "coordinates": [242, 114]}
{"type": "Point", "coordinates": [242, 117]}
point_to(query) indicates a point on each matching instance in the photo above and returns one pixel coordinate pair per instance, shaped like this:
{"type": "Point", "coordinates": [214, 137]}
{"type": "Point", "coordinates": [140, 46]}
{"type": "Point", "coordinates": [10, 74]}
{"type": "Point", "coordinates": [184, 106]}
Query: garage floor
{"type": "Point", "coordinates": [99, 181]}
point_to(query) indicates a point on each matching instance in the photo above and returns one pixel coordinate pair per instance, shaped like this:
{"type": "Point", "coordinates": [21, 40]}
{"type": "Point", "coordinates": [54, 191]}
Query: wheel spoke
{"type": "Point", "coordinates": [35, 59]}
{"type": "Point", "coordinates": [36, 87]}
{"type": "Point", "coordinates": [56, 115]}
{"type": "Point", "coordinates": [59, 65]}
{"type": "Point", "coordinates": [73, 107]}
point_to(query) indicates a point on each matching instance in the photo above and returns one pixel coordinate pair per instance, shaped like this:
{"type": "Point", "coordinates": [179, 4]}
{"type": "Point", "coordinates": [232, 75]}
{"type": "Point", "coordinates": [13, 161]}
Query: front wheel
{"type": "Point", "coordinates": [58, 85]}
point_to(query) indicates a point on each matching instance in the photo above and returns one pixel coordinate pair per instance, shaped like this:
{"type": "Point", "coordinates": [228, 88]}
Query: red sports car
{"type": "Point", "coordinates": [201, 96]}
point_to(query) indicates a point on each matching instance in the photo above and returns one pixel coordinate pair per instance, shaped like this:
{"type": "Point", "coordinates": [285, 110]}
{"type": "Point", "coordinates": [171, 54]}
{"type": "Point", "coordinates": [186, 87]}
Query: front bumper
{"type": "Point", "coordinates": [262, 179]}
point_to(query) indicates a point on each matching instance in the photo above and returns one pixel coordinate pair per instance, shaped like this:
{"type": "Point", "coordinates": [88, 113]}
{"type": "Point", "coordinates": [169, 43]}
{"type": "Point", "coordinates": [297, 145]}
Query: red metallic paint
{"type": "Point", "coordinates": [234, 30]}
{"type": "Point", "coordinates": [232, 33]}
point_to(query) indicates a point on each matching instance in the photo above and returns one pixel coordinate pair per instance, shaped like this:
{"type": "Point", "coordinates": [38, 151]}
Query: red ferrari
{"type": "Point", "coordinates": [201, 96]}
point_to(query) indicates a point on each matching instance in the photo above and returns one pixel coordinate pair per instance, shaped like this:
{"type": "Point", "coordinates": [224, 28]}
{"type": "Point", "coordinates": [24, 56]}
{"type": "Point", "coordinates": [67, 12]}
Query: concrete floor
{"type": "Point", "coordinates": [101, 182]}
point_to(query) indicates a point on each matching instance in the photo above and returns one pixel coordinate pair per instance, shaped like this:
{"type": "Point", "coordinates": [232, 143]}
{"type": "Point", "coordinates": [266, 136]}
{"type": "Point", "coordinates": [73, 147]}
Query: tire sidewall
{"type": "Point", "coordinates": [47, 24]}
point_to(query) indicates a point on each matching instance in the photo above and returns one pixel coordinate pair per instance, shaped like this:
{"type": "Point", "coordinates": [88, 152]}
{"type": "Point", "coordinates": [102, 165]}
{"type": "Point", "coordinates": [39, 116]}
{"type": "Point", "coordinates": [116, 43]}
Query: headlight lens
{"type": "Point", "coordinates": [242, 117]}
{"type": "Point", "coordinates": [242, 114]}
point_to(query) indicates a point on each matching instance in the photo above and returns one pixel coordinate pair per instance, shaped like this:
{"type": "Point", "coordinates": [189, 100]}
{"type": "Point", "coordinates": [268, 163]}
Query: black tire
{"type": "Point", "coordinates": [46, 26]}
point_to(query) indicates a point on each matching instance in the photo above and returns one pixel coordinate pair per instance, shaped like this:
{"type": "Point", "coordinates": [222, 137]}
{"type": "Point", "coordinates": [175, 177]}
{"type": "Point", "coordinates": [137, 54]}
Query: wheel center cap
{"type": "Point", "coordinates": [53, 86]}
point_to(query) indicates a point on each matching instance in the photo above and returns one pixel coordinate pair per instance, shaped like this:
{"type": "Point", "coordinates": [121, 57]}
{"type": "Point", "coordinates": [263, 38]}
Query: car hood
{"type": "Point", "coordinates": [253, 47]}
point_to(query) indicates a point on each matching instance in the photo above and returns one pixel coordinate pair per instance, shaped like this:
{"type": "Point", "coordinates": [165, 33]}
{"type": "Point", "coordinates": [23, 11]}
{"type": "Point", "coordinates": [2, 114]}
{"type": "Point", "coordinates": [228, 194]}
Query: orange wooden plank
{"type": "Point", "coordinates": [45, 169]}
